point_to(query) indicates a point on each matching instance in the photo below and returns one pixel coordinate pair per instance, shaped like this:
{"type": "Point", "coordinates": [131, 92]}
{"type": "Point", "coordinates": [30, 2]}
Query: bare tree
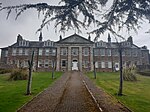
{"type": "Point", "coordinates": [30, 62]}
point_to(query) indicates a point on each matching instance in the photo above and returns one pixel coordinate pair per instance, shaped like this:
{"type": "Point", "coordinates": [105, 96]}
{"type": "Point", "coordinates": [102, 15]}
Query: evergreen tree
{"type": "Point", "coordinates": [70, 14]}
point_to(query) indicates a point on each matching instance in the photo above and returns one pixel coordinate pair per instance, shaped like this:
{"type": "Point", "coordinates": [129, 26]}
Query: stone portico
{"type": "Point", "coordinates": [74, 53]}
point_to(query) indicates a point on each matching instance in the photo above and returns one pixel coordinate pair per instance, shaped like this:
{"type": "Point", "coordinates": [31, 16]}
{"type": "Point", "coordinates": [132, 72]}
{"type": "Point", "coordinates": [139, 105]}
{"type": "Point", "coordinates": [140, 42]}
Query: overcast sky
{"type": "Point", "coordinates": [28, 23]}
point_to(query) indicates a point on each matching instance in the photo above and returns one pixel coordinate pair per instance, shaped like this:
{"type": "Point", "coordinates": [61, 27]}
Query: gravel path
{"type": "Point", "coordinates": [68, 94]}
{"type": "Point", "coordinates": [48, 99]}
{"type": "Point", "coordinates": [76, 98]}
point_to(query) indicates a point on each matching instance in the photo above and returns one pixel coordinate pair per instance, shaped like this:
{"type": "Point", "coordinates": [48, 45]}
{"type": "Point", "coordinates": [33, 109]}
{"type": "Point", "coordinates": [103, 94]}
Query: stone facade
{"type": "Point", "coordinates": [74, 53]}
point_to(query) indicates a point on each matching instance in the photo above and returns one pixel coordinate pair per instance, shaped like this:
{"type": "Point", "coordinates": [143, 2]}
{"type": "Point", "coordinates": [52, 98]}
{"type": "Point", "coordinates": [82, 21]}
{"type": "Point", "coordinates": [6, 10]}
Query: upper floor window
{"type": "Point", "coordinates": [20, 51]}
{"type": "Point", "coordinates": [135, 52]}
{"type": "Point", "coordinates": [115, 52]}
{"type": "Point", "coordinates": [96, 52]}
{"type": "Point", "coordinates": [26, 51]}
{"type": "Point", "coordinates": [14, 51]}
{"type": "Point", "coordinates": [75, 51]}
{"type": "Point", "coordinates": [23, 43]}
{"type": "Point", "coordinates": [128, 52]}
{"type": "Point", "coordinates": [48, 43]}
{"type": "Point", "coordinates": [40, 52]}
{"type": "Point", "coordinates": [63, 51]}
{"type": "Point", "coordinates": [102, 52]}
{"type": "Point", "coordinates": [46, 52]}
{"type": "Point", "coordinates": [53, 52]}
{"type": "Point", "coordinates": [6, 53]}
{"type": "Point", "coordinates": [108, 52]}
{"type": "Point", "coordinates": [86, 51]}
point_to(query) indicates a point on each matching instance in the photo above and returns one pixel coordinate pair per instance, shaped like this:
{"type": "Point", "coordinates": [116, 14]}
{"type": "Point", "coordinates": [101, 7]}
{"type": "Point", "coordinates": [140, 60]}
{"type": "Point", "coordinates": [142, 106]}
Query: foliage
{"type": "Point", "coordinates": [145, 73]}
{"type": "Point", "coordinates": [12, 93]}
{"type": "Point", "coordinates": [137, 94]}
{"type": "Point", "coordinates": [70, 14]}
{"type": "Point", "coordinates": [2, 71]}
{"type": "Point", "coordinates": [18, 74]}
{"type": "Point", "coordinates": [129, 74]}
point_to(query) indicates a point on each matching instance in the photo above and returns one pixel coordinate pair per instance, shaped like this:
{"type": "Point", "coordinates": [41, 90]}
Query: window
{"type": "Point", "coordinates": [96, 52]}
{"type": "Point", "coordinates": [6, 53]}
{"type": "Point", "coordinates": [108, 52]}
{"type": "Point", "coordinates": [63, 51]}
{"type": "Point", "coordinates": [63, 63]}
{"type": "Point", "coordinates": [40, 63]}
{"type": "Point", "coordinates": [134, 52]}
{"type": "Point", "coordinates": [86, 51]}
{"type": "Point", "coordinates": [102, 52]}
{"type": "Point", "coordinates": [46, 63]}
{"type": "Point", "coordinates": [26, 51]}
{"type": "Point", "coordinates": [103, 64]}
{"type": "Point", "coordinates": [14, 51]}
{"type": "Point", "coordinates": [109, 64]}
{"type": "Point", "coordinates": [75, 51]}
{"type": "Point", "coordinates": [53, 52]}
{"type": "Point", "coordinates": [46, 52]}
{"type": "Point", "coordinates": [128, 52]}
{"type": "Point", "coordinates": [20, 51]}
{"type": "Point", "coordinates": [115, 52]}
{"type": "Point", "coordinates": [96, 64]}
{"type": "Point", "coordinates": [40, 52]}
{"type": "Point", "coordinates": [86, 64]}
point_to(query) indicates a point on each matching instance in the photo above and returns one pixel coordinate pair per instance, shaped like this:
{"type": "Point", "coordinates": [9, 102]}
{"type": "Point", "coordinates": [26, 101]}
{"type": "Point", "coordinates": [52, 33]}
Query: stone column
{"type": "Point", "coordinates": [58, 59]}
{"type": "Point", "coordinates": [69, 58]}
{"type": "Point", "coordinates": [80, 58]}
{"type": "Point", "coordinates": [91, 58]}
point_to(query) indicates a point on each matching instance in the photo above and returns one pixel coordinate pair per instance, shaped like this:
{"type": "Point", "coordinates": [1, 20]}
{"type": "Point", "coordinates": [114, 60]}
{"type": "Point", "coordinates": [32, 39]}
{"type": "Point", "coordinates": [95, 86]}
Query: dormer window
{"type": "Point", "coordinates": [23, 43]}
{"type": "Point", "coordinates": [101, 44]}
{"type": "Point", "coordinates": [48, 43]}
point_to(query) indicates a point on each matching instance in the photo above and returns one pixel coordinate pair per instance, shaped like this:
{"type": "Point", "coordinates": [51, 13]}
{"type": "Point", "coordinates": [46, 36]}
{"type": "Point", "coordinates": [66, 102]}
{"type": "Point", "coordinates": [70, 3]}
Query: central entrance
{"type": "Point", "coordinates": [74, 65]}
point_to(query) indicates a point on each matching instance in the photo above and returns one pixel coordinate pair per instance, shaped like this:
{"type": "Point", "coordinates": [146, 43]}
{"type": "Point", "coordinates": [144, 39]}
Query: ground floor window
{"type": "Point", "coordinates": [63, 63]}
{"type": "Point", "coordinates": [103, 64]}
{"type": "Point", "coordinates": [96, 64]}
{"type": "Point", "coordinates": [109, 64]}
{"type": "Point", "coordinates": [86, 64]}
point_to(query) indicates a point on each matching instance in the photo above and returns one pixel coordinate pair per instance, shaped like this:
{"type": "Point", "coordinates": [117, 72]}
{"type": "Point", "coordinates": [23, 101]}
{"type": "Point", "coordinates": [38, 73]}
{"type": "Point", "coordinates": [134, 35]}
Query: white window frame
{"type": "Point", "coordinates": [40, 52]}
{"type": "Point", "coordinates": [103, 64]}
{"type": "Point", "coordinates": [109, 64]}
{"type": "Point", "coordinates": [86, 51]}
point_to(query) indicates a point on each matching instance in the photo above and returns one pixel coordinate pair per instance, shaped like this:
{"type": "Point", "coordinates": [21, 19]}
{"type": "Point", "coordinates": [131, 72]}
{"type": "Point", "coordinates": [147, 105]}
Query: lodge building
{"type": "Point", "coordinates": [74, 53]}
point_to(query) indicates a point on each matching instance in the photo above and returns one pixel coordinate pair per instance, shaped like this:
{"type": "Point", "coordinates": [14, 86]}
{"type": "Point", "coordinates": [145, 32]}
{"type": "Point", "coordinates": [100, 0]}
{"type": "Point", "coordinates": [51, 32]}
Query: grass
{"type": "Point", "coordinates": [137, 94]}
{"type": "Point", "coordinates": [12, 93]}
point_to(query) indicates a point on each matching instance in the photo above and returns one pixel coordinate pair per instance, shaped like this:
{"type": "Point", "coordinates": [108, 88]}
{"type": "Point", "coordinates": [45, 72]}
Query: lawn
{"type": "Point", "coordinates": [12, 93]}
{"type": "Point", "coordinates": [136, 94]}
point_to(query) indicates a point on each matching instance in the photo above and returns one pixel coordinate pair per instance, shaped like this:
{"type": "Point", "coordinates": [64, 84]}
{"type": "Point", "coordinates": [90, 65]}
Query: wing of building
{"type": "Point", "coordinates": [73, 53]}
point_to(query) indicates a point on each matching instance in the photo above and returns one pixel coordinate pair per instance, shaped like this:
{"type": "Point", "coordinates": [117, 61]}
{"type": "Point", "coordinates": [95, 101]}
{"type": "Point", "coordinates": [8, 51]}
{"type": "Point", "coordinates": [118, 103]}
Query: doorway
{"type": "Point", "coordinates": [74, 65]}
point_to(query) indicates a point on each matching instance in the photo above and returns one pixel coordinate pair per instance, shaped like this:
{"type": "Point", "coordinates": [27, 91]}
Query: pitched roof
{"type": "Point", "coordinates": [75, 39]}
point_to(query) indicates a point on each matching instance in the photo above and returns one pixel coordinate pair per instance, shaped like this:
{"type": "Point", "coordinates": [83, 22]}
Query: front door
{"type": "Point", "coordinates": [74, 65]}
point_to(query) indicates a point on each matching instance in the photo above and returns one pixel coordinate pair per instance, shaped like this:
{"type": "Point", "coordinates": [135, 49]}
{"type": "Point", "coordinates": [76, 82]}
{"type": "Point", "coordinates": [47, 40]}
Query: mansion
{"type": "Point", "coordinates": [73, 53]}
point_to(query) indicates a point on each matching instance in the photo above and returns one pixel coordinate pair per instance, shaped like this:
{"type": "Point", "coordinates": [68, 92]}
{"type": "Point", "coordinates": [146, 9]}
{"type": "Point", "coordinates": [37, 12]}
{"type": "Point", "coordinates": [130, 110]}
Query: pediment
{"type": "Point", "coordinates": [75, 39]}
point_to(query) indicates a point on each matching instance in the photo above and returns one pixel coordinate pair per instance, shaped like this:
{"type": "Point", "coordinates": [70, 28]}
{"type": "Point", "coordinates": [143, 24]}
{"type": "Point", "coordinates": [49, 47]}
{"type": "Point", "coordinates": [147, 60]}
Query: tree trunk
{"type": "Point", "coordinates": [121, 75]}
{"type": "Point", "coordinates": [30, 75]}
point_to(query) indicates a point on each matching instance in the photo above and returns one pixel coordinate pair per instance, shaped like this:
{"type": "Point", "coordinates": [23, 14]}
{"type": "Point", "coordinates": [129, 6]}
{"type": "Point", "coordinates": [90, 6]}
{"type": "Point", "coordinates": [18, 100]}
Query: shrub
{"type": "Point", "coordinates": [3, 71]}
{"type": "Point", "coordinates": [18, 74]}
{"type": "Point", "coordinates": [129, 74]}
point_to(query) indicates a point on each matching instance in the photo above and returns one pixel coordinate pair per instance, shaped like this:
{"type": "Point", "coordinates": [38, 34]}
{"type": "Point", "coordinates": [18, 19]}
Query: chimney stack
{"type": "Point", "coordinates": [109, 38]}
{"type": "Point", "coordinates": [40, 37]}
